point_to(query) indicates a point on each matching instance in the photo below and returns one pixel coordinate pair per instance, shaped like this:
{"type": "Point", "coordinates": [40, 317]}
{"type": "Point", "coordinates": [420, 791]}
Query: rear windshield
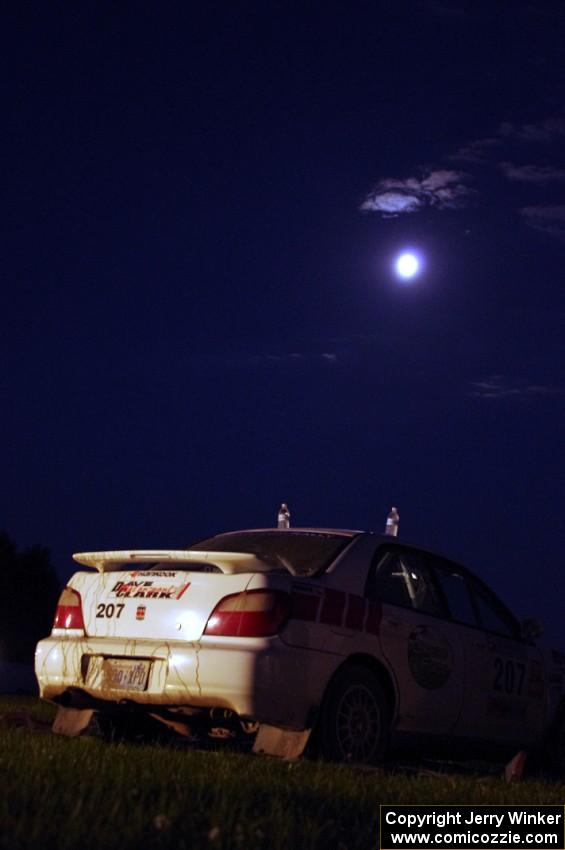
{"type": "Point", "coordinates": [303, 553]}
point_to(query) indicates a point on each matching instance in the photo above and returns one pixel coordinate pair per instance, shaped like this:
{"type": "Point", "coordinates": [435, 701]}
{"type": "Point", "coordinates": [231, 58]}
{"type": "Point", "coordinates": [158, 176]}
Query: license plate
{"type": "Point", "coordinates": [125, 674]}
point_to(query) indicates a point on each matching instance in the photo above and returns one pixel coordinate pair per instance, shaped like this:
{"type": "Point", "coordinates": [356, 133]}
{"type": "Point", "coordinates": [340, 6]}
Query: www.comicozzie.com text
{"type": "Point", "coordinates": [465, 826]}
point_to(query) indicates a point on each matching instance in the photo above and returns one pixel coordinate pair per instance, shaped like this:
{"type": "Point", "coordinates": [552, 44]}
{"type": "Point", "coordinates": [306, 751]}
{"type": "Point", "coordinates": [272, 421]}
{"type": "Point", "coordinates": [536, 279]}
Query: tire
{"type": "Point", "coordinates": [354, 721]}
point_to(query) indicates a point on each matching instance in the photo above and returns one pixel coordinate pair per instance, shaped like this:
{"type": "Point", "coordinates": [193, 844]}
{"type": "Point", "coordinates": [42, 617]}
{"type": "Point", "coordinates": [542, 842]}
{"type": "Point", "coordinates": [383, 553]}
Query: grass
{"type": "Point", "coordinates": [67, 793]}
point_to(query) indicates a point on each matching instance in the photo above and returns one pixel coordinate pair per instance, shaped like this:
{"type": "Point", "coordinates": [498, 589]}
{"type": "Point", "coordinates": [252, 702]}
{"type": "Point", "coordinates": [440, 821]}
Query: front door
{"type": "Point", "coordinates": [504, 684]}
{"type": "Point", "coordinates": [424, 651]}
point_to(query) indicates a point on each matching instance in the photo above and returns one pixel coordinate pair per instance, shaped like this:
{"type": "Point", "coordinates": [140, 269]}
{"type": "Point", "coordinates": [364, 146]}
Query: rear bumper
{"type": "Point", "coordinates": [257, 678]}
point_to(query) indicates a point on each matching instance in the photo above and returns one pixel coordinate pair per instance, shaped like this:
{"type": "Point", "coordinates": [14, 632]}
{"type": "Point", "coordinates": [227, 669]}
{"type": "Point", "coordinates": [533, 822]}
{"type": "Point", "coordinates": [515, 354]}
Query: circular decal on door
{"type": "Point", "coordinates": [430, 657]}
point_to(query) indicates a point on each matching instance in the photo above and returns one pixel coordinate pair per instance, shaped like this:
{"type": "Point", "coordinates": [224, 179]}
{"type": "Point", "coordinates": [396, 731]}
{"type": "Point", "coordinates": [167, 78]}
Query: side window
{"type": "Point", "coordinates": [493, 615]}
{"type": "Point", "coordinates": [401, 578]}
{"type": "Point", "coordinates": [454, 587]}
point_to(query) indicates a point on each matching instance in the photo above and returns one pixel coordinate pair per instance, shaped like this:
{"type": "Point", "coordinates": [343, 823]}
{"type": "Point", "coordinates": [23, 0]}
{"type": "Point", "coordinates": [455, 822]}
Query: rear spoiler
{"type": "Point", "coordinates": [227, 562]}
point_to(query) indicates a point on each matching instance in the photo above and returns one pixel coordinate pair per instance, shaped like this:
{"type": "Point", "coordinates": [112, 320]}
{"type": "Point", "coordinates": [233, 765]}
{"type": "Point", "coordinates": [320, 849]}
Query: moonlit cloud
{"type": "Point", "coordinates": [495, 154]}
{"type": "Point", "coordinates": [444, 189]}
{"type": "Point", "coordinates": [391, 203]}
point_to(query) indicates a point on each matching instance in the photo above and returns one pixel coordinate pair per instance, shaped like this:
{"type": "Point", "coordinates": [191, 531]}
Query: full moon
{"type": "Point", "coordinates": [407, 265]}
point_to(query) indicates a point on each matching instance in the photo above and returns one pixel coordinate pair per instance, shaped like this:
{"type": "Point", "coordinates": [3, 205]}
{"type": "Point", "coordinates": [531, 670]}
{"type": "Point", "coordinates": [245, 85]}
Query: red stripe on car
{"type": "Point", "coordinates": [373, 623]}
{"type": "Point", "coordinates": [304, 606]}
{"type": "Point", "coordinates": [333, 607]}
{"type": "Point", "coordinates": [355, 616]}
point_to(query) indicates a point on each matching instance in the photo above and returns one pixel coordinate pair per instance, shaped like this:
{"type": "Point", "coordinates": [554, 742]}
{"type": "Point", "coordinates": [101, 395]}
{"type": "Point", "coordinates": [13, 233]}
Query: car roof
{"type": "Point", "coordinates": [342, 532]}
{"type": "Point", "coordinates": [380, 537]}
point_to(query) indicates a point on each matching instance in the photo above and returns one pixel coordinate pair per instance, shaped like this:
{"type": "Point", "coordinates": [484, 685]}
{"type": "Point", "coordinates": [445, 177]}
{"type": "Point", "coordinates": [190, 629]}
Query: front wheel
{"type": "Point", "coordinates": [354, 722]}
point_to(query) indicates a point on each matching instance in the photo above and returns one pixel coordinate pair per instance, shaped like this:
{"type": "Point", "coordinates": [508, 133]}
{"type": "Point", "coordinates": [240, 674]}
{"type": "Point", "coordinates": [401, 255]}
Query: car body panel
{"type": "Point", "coordinates": [145, 643]}
{"type": "Point", "coordinates": [235, 674]}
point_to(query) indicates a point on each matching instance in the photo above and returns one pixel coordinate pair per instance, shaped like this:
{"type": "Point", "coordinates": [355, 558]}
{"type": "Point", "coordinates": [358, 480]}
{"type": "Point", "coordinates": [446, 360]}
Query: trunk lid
{"type": "Point", "coordinates": [136, 596]}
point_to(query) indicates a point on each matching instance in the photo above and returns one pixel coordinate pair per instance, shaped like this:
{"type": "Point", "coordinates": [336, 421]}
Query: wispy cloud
{"type": "Point", "coordinates": [444, 189]}
{"type": "Point", "coordinates": [291, 362]}
{"type": "Point", "coordinates": [478, 150]}
{"type": "Point", "coordinates": [538, 174]}
{"type": "Point", "coordinates": [543, 131]}
{"type": "Point", "coordinates": [475, 151]}
{"type": "Point", "coordinates": [516, 135]}
{"type": "Point", "coordinates": [444, 9]}
{"type": "Point", "coordinates": [547, 218]}
{"type": "Point", "coordinates": [296, 358]}
{"type": "Point", "coordinates": [462, 11]}
{"type": "Point", "coordinates": [499, 387]}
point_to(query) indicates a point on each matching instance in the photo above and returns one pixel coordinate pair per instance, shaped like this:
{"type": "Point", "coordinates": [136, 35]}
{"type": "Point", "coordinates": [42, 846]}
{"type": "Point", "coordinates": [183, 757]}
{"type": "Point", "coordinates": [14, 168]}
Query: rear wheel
{"type": "Point", "coordinates": [354, 721]}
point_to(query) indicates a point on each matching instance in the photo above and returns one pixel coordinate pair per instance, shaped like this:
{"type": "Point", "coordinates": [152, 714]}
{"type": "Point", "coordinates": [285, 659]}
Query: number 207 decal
{"type": "Point", "coordinates": [110, 610]}
{"type": "Point", "coordinates": [509, 676]}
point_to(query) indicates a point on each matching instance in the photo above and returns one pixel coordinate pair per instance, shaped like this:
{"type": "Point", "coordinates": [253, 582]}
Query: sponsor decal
{"type": "Point", "coordinates": [140, 613]}
{"type": "Point", "coordinates": [158, 573]}
{"type": "Point", "coordinates": [143, 589]}
{"type": "Point", "coordinates": [430, 657]}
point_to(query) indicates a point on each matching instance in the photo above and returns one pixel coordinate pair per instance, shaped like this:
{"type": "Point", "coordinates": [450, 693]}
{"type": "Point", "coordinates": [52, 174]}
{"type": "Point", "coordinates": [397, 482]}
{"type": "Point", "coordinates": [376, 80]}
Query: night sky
{"type": "Point", "coordinates": [202, 205]}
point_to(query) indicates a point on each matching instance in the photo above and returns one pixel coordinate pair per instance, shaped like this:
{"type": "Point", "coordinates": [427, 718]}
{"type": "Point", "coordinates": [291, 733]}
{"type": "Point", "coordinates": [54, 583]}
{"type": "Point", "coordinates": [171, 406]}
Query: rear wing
{"type": "Point", "coordinates": [227, 562]}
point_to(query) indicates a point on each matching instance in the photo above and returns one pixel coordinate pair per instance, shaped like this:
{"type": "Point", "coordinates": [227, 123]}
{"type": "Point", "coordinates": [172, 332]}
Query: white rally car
{"type": "Point", "coordinates": [360, 637]}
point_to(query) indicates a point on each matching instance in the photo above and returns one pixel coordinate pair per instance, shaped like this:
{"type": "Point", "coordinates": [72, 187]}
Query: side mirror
{"type": "Point", "coordinates": [531, 629]}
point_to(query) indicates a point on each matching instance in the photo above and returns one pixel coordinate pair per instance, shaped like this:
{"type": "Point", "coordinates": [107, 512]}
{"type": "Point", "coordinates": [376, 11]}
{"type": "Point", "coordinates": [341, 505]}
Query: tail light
{"type": "Point", "coordinates": [256, 613]}
{"type": "Point", "coordinates": [69, 612]}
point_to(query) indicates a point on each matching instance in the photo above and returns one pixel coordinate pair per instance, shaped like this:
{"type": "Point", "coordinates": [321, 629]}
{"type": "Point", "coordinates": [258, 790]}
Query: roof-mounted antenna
{"type": "Point", "coordinates": [283, 517]}
{"type": "Point", "coordinates": [392, 522]}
